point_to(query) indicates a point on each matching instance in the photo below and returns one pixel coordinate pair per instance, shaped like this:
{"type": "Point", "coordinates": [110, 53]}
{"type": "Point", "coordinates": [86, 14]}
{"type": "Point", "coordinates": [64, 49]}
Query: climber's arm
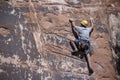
{"type": "Point", "coordinates": [72, 23]}
{"type": "Point", "coordinates": [72, 26]}
{"type": "Point", "coordinates": [91, 24]}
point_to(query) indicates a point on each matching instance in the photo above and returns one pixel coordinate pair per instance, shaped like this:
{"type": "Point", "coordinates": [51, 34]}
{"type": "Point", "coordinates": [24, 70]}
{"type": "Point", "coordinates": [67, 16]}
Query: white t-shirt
{"type": "Point", "coordinates": [84, 33]}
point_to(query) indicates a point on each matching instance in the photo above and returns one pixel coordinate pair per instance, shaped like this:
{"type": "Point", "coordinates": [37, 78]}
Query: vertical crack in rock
{"type": "Point", "coordinates": [22, 38]}
{"type": "Point", "coordinates": [38, 33]}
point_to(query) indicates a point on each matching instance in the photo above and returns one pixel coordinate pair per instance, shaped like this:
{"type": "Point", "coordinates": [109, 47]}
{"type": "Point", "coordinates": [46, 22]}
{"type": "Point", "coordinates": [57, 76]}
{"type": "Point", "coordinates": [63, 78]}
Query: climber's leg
{"type": "Point", "coordinates": [87, 57]}
{"type": "Point", "coordinates": [73, 46]}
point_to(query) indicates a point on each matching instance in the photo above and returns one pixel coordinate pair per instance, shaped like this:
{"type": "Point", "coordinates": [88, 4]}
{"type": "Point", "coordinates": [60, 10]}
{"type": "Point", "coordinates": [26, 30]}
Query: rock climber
{"type": "Point", "coordinates": [82, 42]}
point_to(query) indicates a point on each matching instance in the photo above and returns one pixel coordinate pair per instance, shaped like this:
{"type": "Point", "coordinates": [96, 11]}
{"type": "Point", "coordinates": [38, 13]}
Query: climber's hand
{"type": "Point", "coordinates": [92, 21]}
{"type": "Point", "coordinates": [70, 20]}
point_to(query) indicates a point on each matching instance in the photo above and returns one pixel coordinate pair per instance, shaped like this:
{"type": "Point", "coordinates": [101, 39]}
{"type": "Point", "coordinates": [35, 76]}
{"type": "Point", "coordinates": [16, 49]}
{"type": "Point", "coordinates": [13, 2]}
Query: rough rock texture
{"type": "Point", "coordinates": [35, 34]}
{"type": "Point", "coordinates": [114, 23]}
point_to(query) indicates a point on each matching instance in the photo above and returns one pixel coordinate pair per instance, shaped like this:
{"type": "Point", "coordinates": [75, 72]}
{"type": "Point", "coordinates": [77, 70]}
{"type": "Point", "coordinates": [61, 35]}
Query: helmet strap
{"type": "Point", "coordinates": [83, 25]}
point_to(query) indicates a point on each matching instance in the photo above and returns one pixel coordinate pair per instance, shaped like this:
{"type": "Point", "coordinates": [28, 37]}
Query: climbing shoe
{"type": "Point", "coordinates": [75, 53]}
{"type": "Point", "coordinates": [91, 71]}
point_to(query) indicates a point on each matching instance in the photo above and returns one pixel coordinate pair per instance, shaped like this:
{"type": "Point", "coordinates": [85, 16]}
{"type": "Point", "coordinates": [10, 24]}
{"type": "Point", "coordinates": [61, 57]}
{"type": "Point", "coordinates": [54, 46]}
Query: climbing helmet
{"type": "Point", "coordinates": [84, 22]}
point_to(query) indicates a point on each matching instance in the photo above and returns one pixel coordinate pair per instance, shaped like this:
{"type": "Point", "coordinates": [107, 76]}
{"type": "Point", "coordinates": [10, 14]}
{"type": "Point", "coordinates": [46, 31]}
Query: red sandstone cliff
{"type": "Point", "coordinates": [35, 34]}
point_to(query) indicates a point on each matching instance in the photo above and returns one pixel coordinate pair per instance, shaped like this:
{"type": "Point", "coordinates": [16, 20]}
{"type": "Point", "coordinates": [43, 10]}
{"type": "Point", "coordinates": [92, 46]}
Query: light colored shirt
{"type": "Point", "coordinates": [84, 33]}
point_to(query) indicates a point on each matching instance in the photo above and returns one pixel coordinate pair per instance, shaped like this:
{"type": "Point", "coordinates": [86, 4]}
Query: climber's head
{"type": "Point", "coordinates": [84, 23]}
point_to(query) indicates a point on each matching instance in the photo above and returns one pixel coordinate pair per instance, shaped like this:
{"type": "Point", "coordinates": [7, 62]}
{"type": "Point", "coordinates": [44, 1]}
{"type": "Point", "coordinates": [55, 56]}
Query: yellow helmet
{"type": "Point", "coordinates": [84, 22]}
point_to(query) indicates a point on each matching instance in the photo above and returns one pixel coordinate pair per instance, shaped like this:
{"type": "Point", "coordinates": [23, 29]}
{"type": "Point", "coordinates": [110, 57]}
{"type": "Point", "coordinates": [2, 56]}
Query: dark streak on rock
{"type": "Point", "coordinates": [12, 22]}
{"type": "Point", "coordinates": [46, 10]}
{"type": "Point", "coordinates": [57, 40]}
{"type": "Point", "coordinates": [17, 73]}
{"type": "Point", "coordinates": [101, 27]}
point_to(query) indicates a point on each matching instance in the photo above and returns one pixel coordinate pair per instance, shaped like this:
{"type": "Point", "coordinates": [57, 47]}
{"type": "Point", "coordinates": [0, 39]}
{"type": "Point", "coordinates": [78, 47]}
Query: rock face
{"type": "Point", "coordinates": [114, 22]}
{"type": "Point", "coordinates": [35, 35]}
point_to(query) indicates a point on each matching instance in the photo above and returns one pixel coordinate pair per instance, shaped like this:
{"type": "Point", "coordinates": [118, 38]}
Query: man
{"type": "Point", "coordinates": [82, 34]}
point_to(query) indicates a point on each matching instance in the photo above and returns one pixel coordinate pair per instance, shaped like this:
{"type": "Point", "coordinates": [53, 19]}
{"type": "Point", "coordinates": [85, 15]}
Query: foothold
{"type": "Point", "coordinates": [4, 31]}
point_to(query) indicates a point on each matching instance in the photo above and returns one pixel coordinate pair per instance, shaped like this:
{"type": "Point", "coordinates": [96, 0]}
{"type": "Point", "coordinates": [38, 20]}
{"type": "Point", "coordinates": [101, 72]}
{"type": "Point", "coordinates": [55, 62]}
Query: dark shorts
{"type": "Point", "coordinates": [78, 42]}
